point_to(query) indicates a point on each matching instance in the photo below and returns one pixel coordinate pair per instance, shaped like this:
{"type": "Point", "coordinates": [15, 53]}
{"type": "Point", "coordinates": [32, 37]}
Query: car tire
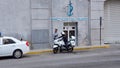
{"type": "Point", "coordinates": [17, 54]}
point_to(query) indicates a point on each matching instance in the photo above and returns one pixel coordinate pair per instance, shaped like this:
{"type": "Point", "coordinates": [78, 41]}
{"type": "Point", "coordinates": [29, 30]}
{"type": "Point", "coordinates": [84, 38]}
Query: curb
{"type": "Point", "coordinates": [34, 52]}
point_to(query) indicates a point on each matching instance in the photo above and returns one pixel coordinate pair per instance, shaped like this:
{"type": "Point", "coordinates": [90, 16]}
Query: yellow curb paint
{"type": "Point", "coordinates": [101, 46]}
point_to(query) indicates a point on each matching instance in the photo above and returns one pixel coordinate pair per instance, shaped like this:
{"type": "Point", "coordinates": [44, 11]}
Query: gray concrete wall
{"type": "Point", "coordinates": [15, 18]}
{"type": "Point", "coordinates": [19, 18]}
{"type": "Point", "coordinates": [40, 14]}
{"type": "Point", "coordinates": [40, 18]}
{"type": "Point", "coordinates": [97, 11]}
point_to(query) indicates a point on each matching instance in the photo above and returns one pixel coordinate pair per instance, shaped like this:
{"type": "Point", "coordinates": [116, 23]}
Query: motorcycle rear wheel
{"type": "Point", "coordinates": [55, 50]}
{"type": "Point", "coordinates": [70, 49]}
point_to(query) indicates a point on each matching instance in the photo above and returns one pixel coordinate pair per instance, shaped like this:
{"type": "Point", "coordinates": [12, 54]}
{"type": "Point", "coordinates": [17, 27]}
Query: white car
{"type": "Point", "coordinates": [10, 46]}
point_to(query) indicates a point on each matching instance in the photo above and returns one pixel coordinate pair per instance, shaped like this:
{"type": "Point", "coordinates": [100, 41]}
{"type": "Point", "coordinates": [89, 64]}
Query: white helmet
{"type": "Point", "coordinates": [63, 33]}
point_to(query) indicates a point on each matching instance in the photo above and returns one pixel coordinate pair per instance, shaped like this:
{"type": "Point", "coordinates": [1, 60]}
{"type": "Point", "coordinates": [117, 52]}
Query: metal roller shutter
{"type": "Point", "coordinates": [112, 21]}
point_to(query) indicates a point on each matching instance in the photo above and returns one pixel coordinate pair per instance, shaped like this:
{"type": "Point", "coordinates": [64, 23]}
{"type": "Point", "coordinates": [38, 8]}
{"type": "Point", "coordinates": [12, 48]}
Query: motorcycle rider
{"type": "Point", "coordinates": [64, 37]}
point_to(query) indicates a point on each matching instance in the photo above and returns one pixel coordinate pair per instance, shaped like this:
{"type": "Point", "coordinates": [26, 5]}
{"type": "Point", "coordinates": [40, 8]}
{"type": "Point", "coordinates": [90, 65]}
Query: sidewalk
{"type": "Point", "coordinates": [33, 52]}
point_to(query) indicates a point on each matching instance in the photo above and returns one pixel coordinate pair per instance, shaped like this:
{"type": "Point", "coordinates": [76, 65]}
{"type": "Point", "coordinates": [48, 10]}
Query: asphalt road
{"type": "Point", "coordinates": [99, 58]}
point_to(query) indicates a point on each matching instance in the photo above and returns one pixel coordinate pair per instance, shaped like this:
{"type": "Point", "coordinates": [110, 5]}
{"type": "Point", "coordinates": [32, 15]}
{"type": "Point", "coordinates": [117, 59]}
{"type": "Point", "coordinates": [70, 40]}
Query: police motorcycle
{"type": "Point", "coordinates": [59, 45]}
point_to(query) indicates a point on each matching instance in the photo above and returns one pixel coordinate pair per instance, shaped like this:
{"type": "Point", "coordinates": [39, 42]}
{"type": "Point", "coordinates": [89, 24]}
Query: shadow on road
{"type": "Point", "coordinates": [74, 52]}
{"type": "Point", "coordinates": [10, 57]}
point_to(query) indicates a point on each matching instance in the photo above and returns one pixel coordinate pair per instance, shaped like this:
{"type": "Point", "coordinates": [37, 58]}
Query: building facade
{"type": "Point", "coordinates": [36, 20]}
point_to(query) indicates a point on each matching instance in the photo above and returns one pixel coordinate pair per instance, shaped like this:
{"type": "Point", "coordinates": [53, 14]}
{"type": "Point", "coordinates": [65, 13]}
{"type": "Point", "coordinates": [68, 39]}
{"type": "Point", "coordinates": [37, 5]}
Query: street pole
{"type": "Point", "coordinates": [100, 28]}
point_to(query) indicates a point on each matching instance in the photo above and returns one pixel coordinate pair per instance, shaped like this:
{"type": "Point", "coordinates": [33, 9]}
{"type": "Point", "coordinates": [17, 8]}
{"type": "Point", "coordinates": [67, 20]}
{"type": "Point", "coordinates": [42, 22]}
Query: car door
{"type": "Point", "coordinates": [8, 46]}
{"type": "Point", "coordinates": [1, 50]}
{"type": "Point", "coordinates": [1, 47]}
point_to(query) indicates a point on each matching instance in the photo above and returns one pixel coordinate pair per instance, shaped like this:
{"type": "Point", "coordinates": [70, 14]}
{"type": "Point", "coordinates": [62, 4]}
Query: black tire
{"type": "Point", "coordinates": [17, 54]}
{"type": "Point", "coordinates": [61, 50]}
{"type": "Point", "coordinates": [55, 50]}
{"type": "Point", "coordinates": [70, 49]}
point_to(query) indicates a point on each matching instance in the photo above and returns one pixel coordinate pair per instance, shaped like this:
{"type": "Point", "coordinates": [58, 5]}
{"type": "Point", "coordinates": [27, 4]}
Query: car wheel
{"type": "Point", "coordinates": [17, 54]}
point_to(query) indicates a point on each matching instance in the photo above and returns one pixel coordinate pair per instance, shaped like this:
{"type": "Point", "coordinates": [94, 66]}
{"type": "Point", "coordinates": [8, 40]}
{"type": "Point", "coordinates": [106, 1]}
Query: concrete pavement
{"type": "Point", "coordinates": [95, 58]}
{"type": "Point", "coordinates": [41, 51]}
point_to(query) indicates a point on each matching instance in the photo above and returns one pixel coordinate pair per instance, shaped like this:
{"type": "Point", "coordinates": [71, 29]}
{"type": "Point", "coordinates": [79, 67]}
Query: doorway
{"type": "Point", "coordinates": [70, 29]}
